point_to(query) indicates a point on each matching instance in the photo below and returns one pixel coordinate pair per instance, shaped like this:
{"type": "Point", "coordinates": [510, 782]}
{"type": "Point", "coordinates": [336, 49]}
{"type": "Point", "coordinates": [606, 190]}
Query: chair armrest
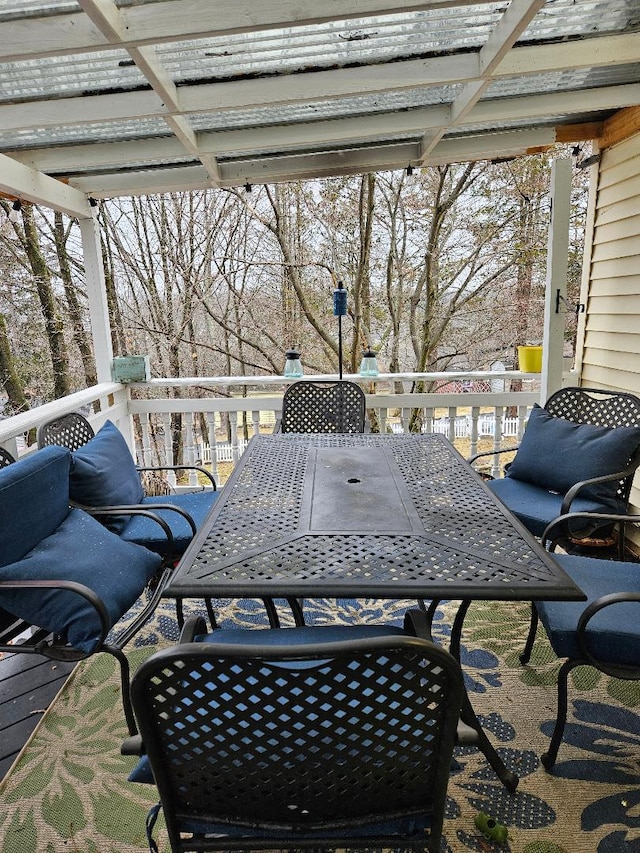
{"type": "Point", "coordinates": [136, 509]}
{"type": "Point", "coordinates": [44, 646]}
{"type": "Point", "coordinates": [197, 468]}
{"type": "Point", "coordinates": [132, 746]}
{"type": "Point", "coordinates": [416, 624]}
{"type": "Point", "coordinates": [476, 456]}
{"type": "Point", "coordinates": [615, 670]}
{"type": "Point", "coordinates": [605, 478]}
{"type": "Point", "coordinates": [172, 508]}
{"type": "Point", "coordinates": [193, 626]}
{"type": "Point", "coordinates": [563, 521]}
{"type": "Point", "coordinates": [473, 458]}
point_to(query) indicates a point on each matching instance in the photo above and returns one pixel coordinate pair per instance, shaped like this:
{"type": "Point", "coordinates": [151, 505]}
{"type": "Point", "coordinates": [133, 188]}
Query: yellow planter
{"type": "Point", "coordinates": [530, 359]}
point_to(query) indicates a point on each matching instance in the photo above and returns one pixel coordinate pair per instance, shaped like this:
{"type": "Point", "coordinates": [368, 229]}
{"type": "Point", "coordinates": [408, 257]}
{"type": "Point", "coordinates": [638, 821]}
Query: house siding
{"type": "Point", "coordinates": [610, 339]}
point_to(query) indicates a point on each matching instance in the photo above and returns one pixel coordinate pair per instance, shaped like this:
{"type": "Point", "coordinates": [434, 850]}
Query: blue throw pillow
{"type": "Point", "coordinates": [103, 473]}
{"type": "Point", "coordinates": [80, 550]}
{"type": "Point", "coordinates": [555, 454]}
{"type": "Point", "coordinates": [34, 500]}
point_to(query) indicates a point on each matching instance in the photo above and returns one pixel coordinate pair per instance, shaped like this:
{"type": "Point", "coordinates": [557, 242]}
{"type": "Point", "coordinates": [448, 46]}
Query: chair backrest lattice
{"type": "Point", "coordinates": [595, 406]}
{"type": "Point", "coordinates": [300, 738]}
{"type": "Point", "coordinates": [71, 431]}
{"type": "Point", "coordinates": [5, 458]}
{"type": "Point", "coordinates": [323, 406]}
{"type": "Point", "coordinates": [599, 407]}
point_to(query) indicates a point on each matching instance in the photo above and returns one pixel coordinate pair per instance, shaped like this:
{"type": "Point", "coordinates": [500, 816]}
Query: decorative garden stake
{"type": "Point", "coordinates": [339, 310]}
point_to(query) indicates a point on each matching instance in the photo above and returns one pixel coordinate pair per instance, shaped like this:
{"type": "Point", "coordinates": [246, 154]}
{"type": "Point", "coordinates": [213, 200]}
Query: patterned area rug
{"type": "Point", "coordinates": [68, 790]}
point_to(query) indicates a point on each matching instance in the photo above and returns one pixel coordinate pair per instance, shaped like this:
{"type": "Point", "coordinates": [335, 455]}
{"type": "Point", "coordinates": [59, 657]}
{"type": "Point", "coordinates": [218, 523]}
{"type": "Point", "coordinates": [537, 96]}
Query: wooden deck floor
{"type": "Point", "coordinates": [28, 685]}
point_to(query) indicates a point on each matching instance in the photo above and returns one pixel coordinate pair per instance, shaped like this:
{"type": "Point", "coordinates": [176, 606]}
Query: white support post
{"type": "Point", "coordinates": [168, 447]}
{"type": "Point", "coordinates": [453, 411]}
{"type": "Point", "coordinates": [555, 305]}
{"type": "Point", "coordinates": [97, 295]}
{"type": "Point", "coordinates": [475, 415]}
{"type": "Point", "coordinates": [145, 449]}
{"type": "Point", "coordinates": [211, 433]}
{"type": "Point", "coordinates": [498, 419]}
{"type": "Point", "coordinates": [190, 447]}
{"type": "Point", "coordinates": [233, 423]}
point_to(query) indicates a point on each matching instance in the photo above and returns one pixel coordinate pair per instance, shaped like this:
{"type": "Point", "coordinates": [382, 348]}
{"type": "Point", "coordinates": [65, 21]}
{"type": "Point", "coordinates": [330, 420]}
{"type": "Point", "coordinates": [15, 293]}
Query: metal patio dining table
{"type": "Point", "coordinates": [366, 516]}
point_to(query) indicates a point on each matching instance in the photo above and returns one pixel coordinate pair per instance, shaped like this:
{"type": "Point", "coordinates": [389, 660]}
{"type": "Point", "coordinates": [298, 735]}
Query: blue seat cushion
{"type": "Point", "coordinates": [278, 637]}
{"type": "Point", "coordinates": [408, 827]}
{"type": "Point", "coordinates": [34, 500]}
{"type": "Point", "coordinates": [536, 507]}
{"type": "Point", "coordinates": [81, 549]}
{"type": "Point", "coordinates": [103, 473]}
{"type": "Point", "coordinates": [555, 454]}
{"type": "Point", "coordinates": [613, 635]}
{"type": "Point", "coordinates": [145, 531]}
{"type": "Point", "coordinates": [298, 636]}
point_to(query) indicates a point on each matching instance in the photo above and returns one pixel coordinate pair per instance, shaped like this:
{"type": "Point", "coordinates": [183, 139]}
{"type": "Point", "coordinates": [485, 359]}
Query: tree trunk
{"type": "Point", "coordinates": [80, 335]}
{"type": "Point", "coordinates": [53, 321]}
{"type": "Point", "coordinates": [10, 380]}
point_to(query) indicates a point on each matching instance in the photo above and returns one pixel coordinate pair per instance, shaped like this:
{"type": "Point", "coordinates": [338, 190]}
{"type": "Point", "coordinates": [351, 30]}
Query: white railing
{"type": "Point", "coordinates": [229, 410]}
{"type": "Point", "coordinates": [463, 428]}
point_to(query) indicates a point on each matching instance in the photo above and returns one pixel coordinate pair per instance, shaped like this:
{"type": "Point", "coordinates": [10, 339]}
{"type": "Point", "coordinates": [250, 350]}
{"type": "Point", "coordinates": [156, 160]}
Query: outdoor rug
{"type": "Point", "coordinates": [68, 790]}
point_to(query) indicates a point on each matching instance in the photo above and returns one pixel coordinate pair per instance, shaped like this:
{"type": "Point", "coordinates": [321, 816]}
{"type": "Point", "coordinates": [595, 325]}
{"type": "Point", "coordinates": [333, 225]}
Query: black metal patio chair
{"type": "Point", "coordinates": [323, 406]}
{"type": "Point", "coordinates": [578, 454]}
{"type": "Point", "coordinates": [5, 458]}
{"type": "Point", "coordinates": [603, 632]}
{"type": "Point", "coordinates": [318, 737]}
{"type": "Point", "coordinates": [106, 481]}
{"type": "Point", "coordinates": [65, 580]}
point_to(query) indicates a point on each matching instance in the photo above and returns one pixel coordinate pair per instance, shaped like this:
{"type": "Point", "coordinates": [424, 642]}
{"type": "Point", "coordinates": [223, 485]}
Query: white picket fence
{"type": "Point", "coordinates": [462, 429]}
{"type": "Point", "coordinates": [486, 426]}
{"type": "Point", "coordinates": [224, 452]}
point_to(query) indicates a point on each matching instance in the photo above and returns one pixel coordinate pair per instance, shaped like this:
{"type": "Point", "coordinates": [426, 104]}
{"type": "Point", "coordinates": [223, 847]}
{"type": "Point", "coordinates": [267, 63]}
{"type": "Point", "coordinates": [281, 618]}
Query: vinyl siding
{"type": "Point", "coordinates": [611, 343]}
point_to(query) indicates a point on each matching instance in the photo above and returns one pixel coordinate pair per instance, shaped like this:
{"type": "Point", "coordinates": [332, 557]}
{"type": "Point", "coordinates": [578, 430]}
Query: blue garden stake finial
{"type": "Point", "coordinates": [339, 310]}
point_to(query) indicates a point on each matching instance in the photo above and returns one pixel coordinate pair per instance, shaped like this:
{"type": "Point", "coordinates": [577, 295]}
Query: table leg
{"type": "Point", "coordinates": [468, 715]}
{"type": "Point", "coordinates": [272, 613]}
{"type": "Point", "coordinates": [296, 608]}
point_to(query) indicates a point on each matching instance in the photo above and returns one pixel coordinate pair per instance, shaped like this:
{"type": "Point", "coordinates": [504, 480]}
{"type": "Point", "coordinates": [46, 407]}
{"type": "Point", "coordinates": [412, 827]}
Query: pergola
{"type": "Point", "coordinates": [101, 98]}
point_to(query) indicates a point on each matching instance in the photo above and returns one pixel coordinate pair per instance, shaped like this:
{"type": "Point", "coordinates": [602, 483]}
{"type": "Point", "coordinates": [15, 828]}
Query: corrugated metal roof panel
{"type": "Point", "coordinates": [154, 77]}
{"type": "Point", "coordinates": [38, 137]}
{"type": "Point", "coordinates": [69, 76]}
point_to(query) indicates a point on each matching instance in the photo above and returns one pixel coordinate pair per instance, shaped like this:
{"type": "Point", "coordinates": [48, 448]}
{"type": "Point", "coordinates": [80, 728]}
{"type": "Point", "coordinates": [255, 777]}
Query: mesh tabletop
{"type": "Point", "coordinates": [363, 515]}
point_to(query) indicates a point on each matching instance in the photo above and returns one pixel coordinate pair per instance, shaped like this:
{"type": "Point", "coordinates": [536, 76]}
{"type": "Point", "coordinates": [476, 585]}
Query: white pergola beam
{"type": "Point", "coordinates": [512, 24]}
{"type": "Point", "coordinates": [108, 18]}
{"type": "Point", "coordinates": [335, 131]}
{"type": "Point", "coordinates": [63, 112]}
{"type": "Point", "coordinates": [513, 143]}
{"type": "Point", "coordinates": [264, 170]}
{"type": "Point", "coordinates": [27, 184]}
{"type": "Point", "coordinates": [242, 94]}
{"type": "Point", "coordinates": [145, 182]}
{"type": "Point", "coordinates": [306, 166]}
